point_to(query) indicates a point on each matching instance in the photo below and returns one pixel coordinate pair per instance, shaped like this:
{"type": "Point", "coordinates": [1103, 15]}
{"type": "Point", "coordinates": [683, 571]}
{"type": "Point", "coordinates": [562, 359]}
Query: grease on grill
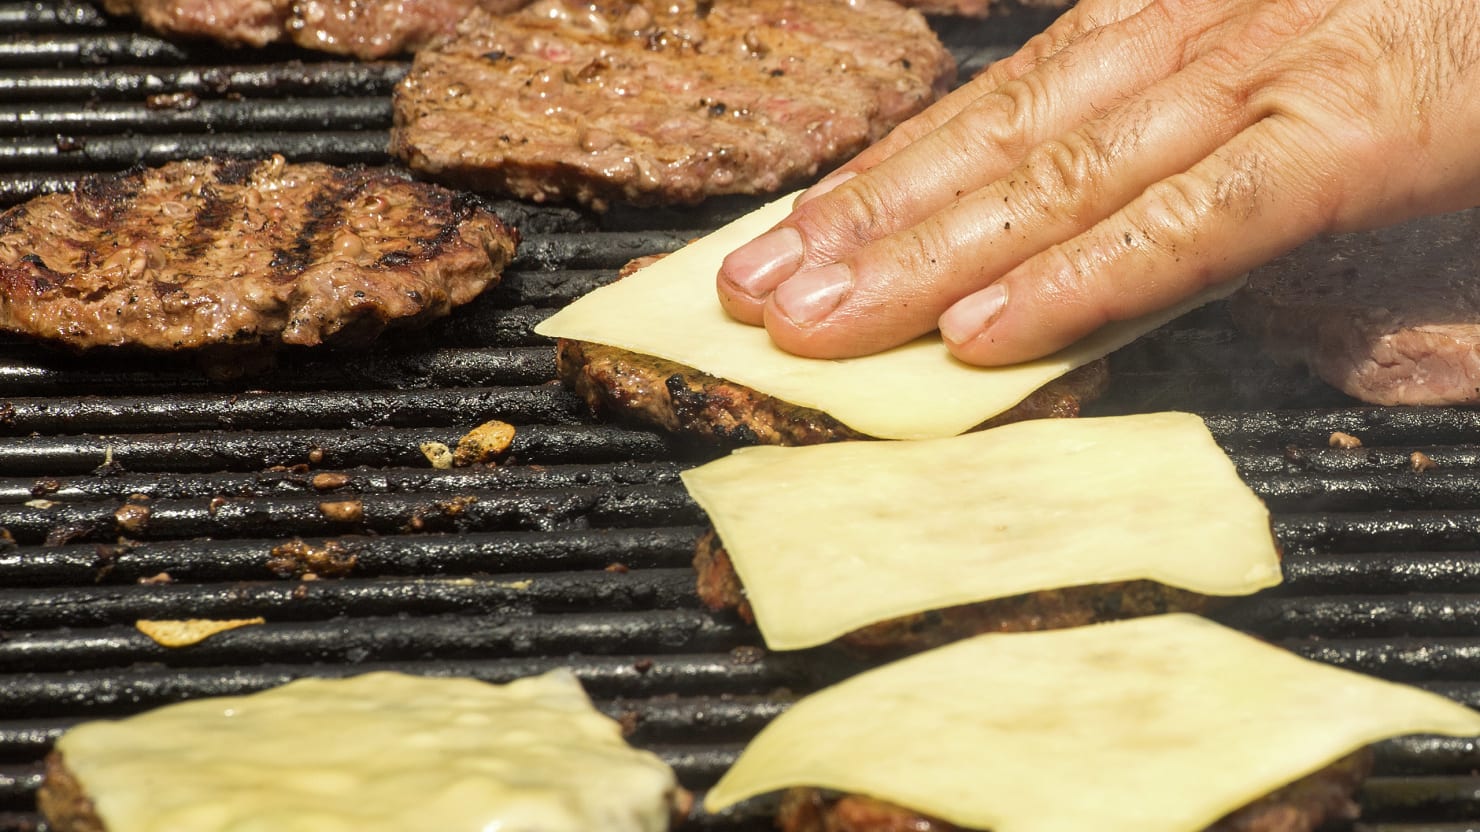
{"type": "Point", "coordinates": [186, 632]}
{"type": "Point", "coordinates": [298, 558]}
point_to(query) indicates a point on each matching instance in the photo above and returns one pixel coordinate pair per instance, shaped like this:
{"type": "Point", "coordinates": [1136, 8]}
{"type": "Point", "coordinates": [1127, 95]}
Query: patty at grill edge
{"type": "Point", "coordinates": [1302, 806]}
{"type": "Point", "coordinates": [663, 102]}
{"type": "Point", "coordinates": [242, 254]}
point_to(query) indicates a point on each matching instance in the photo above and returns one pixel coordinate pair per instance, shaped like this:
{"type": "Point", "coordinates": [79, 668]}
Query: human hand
{"type": "Point", "coordinates": [1129, 156]}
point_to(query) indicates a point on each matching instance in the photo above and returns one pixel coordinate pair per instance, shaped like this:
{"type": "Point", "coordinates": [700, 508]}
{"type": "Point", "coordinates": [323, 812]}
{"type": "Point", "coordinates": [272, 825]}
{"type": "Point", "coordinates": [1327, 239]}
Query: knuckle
{"type": "Point", "coordinates": [1062, 172]}
{"type": "Point", "coordinates": [1173, 206]}
{"type": "Point", "coordinates": [1002, 121]}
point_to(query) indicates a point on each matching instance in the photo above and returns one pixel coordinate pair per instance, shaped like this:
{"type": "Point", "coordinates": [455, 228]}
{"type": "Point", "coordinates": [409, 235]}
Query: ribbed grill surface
{"type": "Point", "coordinates": [576, 551]}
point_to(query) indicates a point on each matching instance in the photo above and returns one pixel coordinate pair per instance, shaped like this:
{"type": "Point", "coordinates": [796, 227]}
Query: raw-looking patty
{"type": "Point", "coordinates": [663, 102]}
{"type": "Point", "coordinates": [632, 387]}
{"type": "Point", "coordinates": [235, 22]}
{"type": "Point", "coordinates": [1389, 316]}
{"type": "Point", "coordinates": [234, 254]}
{"type": "Point", "coordinates": [367, 29]}
{"type": "Point", "coordinates": [720, 589]}
{"type": "Point", "coordinates": [1302, 806]}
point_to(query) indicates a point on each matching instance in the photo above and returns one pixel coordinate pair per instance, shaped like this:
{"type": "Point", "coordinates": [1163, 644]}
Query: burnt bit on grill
{"type": "Point", "coordinates": [316, 456]}
{"type": "Point", "coordinates": [1419, 462]}
{"type": "Point", "coordinates": [7, 540]}
{"type": "Point", "coordinates": [642, 665]}
{"type": "Point", "coordinates": [343, 511]}
{"type": "Point", "coordinates": [629, 721]}
{"type": "Point", "coordinates": [329, 480]}
{"type": "Point", "coordinates": [298, 558]}
{"type": "Point", "coordinates": [747, 654]}
{"type": "Point", "coordinates": [487, 443]}
{"type": "Point", "coordinates": [43, 487]}
{"type": "Point", "coordinates": [160, 579]}
{"type": "Point", "coordinates": [181, 101]}
{"type": "Point", "coordinates": [425, 516]}
{"type": "Point", "coordinates": [215, 505]}
{"type": "Point", "coordinates": [132, 518]}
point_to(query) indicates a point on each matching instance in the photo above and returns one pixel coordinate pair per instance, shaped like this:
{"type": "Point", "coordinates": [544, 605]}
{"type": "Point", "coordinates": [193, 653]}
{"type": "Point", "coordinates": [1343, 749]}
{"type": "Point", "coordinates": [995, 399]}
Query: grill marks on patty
{"type": "Point", "coordinates": [207, 253]}
{"type": "Point", "coordinates": [655, 103]}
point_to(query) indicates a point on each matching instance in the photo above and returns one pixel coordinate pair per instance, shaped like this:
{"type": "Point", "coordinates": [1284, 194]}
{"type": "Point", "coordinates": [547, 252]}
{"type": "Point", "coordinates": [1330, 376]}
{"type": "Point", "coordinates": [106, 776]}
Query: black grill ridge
{"type": "Point", "coordinates": [575, 550]}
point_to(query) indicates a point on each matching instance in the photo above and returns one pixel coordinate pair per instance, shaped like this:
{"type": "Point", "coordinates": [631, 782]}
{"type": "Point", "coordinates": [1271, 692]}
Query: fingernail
{"type": "Point", "coordinates": [973, 314]}
{"type": "Point", "coordinates": [827, 183]}
{"type": "Point", "coordinates": [810, 296]}
{"type": "Point", "coordinates": [761, 264]}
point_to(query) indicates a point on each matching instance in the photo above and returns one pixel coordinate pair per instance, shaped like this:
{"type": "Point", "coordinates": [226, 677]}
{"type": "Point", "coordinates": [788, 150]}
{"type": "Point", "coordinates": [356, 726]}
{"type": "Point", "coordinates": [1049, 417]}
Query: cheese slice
{"type": "Point", "coordinates": [382, 752]}
{"type": "Point", "coordinates": [1160, 724]}
{"type": "Point", "coordinates": [915, 391]}
{"type": "Point", "coordinates": [830, 538]}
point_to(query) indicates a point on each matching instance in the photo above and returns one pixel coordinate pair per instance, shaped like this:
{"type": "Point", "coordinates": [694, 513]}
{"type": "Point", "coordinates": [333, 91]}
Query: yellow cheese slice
{"type": "Point", "coordinates": [830, 538]}
{"type": "Point", "coordinates": [915, 391]}
{"type": "Point", "coordinates": [382, 752]}
{"type": "Point", "coordinates": [1160, 724]}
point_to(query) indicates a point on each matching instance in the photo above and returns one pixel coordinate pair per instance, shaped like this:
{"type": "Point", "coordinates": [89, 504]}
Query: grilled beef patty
{"type": "Point", "coordinates": [720, 589]}
{"type": "Point", "coordinates": [663, 102]}
{"type": "Point", "coordinates": [367, 29]}
{"type": "Point", "coordinates": [241, 254]}
{"type": "Point", "coordinates": [1302, 806]}
{"type": "Point", "coordinates": [1390, 316]}
{"type": "Point", "coordinates": [632, 387]}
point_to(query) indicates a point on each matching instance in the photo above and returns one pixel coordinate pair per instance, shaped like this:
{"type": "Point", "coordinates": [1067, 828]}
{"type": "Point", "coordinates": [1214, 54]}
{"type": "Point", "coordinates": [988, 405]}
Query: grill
{"type": "Point", "coordinates": [576, 551]}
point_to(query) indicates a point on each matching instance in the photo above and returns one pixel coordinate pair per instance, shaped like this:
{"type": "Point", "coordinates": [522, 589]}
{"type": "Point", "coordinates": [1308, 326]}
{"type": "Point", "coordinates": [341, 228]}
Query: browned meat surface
{"type": "Point", "coordinates": [1303, 806]}
{"type": "Point", "coordinates": [242, 254]}
{"type": "Point", "coordinates": [371, 29]}
{"type": "Point", "coordinates": [720, 589]}
{"type": "Point", "coordinates": [236, 22]}
{"type": "Point", "coordinates": [1390, 317]}
{"type": "Point", "coordinates": [63, 802]}
{"type": "Point", "coordinates": [965, 8]}
{"type": "Point", "coordinates": [627, 386]}
{"type": "Point", "coordinates": [663, 102]}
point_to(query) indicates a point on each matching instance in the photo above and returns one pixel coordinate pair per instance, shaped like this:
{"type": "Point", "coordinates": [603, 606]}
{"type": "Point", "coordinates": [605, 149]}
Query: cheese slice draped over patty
{"type": "Point", "coordinates": [1160, 724]}
{"type": "Point", "coordinates": [830, 538]}
{"type": "Point", "coordinates": [915, 391]}
{"type": "Point", "coordinates": [382, 752]}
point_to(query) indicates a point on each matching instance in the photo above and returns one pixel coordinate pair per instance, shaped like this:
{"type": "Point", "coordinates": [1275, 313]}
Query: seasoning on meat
{"type": "Point", "coordinates": [663, 102]}
{"type": "Point", "coordinates": [236, 256]}
{"type": "Point", "coordinates": [1390, 316]}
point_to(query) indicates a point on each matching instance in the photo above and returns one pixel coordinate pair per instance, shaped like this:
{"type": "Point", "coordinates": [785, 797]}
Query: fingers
{"type": "Point", "coordinates": [984, 141]}
{"type": "Point", "coordinates": [1253, 199]}
{"type": "Point", "coordinates": [1069, 27]}
{"type": "Point", "coordinates": [896, 288]}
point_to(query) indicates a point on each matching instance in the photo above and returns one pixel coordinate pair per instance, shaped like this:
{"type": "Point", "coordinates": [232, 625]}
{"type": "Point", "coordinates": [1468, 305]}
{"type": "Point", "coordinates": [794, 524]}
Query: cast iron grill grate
{"type": "Point", "coordinates": [576, 552]}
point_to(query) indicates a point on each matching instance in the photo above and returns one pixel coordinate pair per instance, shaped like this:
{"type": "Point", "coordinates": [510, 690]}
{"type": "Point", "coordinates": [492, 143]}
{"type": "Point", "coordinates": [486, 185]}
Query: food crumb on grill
{"type": "Point", "coordinates": [44, 487]}
{"type": "Point", "coordinates": [642, 665]}
{"type": "Point", "coordinates": [329, 480]}
{"type": "Point", "coordinates": [1420, 462]}
{"type": "Point", "coordinates": [747, 654]}
{"type": "Point", "coordinates": [161, 579]}
{"type": "Point", "coordinates": [618, 568]}
{"type": "Point", "coordinates": [343, 511]}
{"type": "Point", "coordinates": [438, 454]}
{"type": "Point", "coordinates": [316, 455]}
{"type": "Point", "coordinates": [298, 558]}
{"type": "Point", "coordinates": [41, 504]}
{"type": "Point", "coordinates": [132, 518]}
{"type": "Point", "coordinates": [190, 631]}
{"type": "Point", "coordinates": [172, 101]}
{"type": "Point", "coordinates": [1344, 441]}
{"type": "Point", "coordinates": [486, 443]}
{"type": "Point", "coordinates": [629, 721]}
{"type": "Point", "coordinates": [215, 505]}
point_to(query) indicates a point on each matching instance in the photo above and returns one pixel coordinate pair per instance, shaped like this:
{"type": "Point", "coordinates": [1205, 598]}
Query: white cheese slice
{"type": "Point", "coordinates": [915, 391]}
{"type": "Point", "coordinates": [382, 752]}
{"type": "Point", "coordinates": [830, 538]}
{"type": "Point", "coordinates": [1160, 724]}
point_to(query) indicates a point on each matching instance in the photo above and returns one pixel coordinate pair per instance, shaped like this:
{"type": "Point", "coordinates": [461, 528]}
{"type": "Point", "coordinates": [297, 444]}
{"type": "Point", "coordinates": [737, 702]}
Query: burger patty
{"type": "Point", "coordinates": [1302, 806]}
{"type": "Point", "coordinates": [629, 386]}
{"type": "Point", "coordinates": [720, 589]}
{"type": "Point", "coordinates": [367, 29]}
{"type": "Point", "coordinates": [654, 102]}
{"type": "Point", "coordinates": [242, 254]}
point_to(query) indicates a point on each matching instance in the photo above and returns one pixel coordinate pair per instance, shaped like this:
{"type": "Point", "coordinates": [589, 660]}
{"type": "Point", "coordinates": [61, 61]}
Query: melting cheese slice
{"type": "Point", "coordinates": [382, 752]}
{"type": "Point", "coordinates": [1160, 724]}
{"type": "Point", "coordinates": [830, 538]}
{"type": "Point", "coordinates": [915, 391]}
